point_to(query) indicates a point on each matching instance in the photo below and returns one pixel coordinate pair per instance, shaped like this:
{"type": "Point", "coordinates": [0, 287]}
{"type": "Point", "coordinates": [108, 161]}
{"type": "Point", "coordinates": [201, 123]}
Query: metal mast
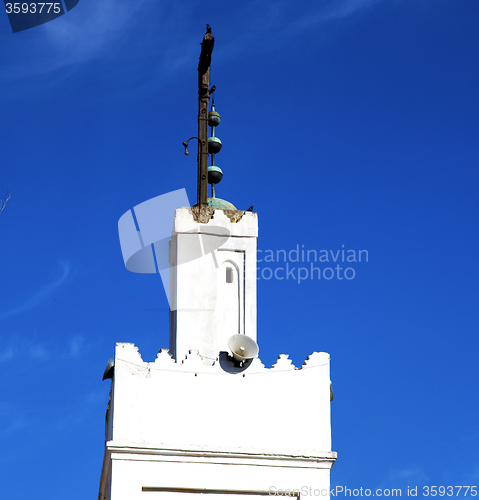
{"type": "Point", "coordinates": [203, 99]}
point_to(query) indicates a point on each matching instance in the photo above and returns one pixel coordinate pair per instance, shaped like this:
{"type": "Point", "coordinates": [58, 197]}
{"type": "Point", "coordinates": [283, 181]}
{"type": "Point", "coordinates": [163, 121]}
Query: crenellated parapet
{"type": "Point", "coordinates": [128, 354]}
{"type": "Point", "coordinates": [191, 404]}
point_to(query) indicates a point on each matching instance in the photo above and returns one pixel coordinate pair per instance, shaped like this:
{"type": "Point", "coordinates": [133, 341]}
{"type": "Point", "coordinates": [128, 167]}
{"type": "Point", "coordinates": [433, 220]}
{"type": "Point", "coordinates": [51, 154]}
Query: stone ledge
{"type": "Point", "coordinates": [139, 451]}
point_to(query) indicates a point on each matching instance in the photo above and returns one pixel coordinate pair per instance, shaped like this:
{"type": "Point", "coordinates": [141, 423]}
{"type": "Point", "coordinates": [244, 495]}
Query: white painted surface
{"type": "Point", "coordinates": [202, 425]}
{"type": "Point", "coordinates": [195, 426]}
{"type": "Point", "coordinates": [191, 404]}
{"type": "Point", "coordinates": [206, 309]}
{"type": "Point", "coordinates": [149, 476]}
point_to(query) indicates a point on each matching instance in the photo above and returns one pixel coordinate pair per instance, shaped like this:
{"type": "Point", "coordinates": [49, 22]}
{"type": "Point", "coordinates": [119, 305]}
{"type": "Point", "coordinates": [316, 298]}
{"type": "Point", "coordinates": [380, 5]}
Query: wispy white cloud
{"type": "Point", "coordinates": [410, 475]}
{"type": "Point", "coordinates": [273, 26]}
{"type": "Point", "coordinates": [465, 475]}
{"type": "Point", "coordinates": [92, 28]}
{"type": "Point", "coordinates": [76, 347]}
{"type": "Point", "coordinates": [407, 476]}
{"type": "Point", "coordinates": [347, 8]}
{"type": "Point", "coordinates": [473, 476]}
{"type": "Point", "coordinates": [7, 353]}
{"type": "Point", "coordinates": [39, 352]}
{"type": "Point", "coordinates": [39, 423]}
{"type": "Point", "coordinates": [90, 31]}
{"type": "Point", "coordinates": [31, 349]}
{"type": "Point", "coordinates": [42, 294]}
{"type": "Point", "coordinates": [12, 420]}
{"type": "Point", "coordinates": [15, 424]}
{"type": "Point", "coordinates": [121, 32]}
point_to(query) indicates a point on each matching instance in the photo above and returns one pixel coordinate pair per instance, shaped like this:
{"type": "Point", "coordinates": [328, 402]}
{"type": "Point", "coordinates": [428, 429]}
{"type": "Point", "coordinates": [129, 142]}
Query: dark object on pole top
{"type": "Point", "coordinates": [206, 49]}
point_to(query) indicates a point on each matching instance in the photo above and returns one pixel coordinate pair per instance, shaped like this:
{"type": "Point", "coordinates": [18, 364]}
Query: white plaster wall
{"type": "Point", "coordinates": [178, 428]}
{"type": "Point", "coordinates": [278, 410]}
{"type": "Point", "coordinates": [201, 318]}
{"type": "Point", "coordinates": [143, 476]}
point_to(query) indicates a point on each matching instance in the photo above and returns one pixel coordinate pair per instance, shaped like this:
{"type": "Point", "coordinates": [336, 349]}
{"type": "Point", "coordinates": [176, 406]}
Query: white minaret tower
{"type": "Point", "coordinates": [214, 296]}
{"type": "Point", "coordinates": [207, 417]}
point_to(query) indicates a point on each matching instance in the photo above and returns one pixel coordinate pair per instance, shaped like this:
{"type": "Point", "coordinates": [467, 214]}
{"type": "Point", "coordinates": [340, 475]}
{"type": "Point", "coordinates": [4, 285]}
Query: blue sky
{"type": "Point", "coordinates": [344, 122]}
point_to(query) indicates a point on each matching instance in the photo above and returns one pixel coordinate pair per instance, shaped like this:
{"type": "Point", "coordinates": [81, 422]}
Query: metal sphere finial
{"type": "Point", "coordinates": [214, 145]}
{"type": "Point", "coordinates": [215, 174]}
{"type": "Point", "coordinates": [214, 118]}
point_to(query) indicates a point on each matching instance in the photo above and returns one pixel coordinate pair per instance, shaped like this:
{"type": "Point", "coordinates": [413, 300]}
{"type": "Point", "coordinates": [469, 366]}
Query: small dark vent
{"type": "Point", "coordinates": [229, 275]}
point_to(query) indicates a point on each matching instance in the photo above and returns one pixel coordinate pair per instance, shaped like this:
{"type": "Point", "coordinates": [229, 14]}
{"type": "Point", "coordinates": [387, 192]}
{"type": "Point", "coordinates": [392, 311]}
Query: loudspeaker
{"type": "Point", "coordinates": [109, 369]}
{"type": "Point", "coordinates": [243, 347]}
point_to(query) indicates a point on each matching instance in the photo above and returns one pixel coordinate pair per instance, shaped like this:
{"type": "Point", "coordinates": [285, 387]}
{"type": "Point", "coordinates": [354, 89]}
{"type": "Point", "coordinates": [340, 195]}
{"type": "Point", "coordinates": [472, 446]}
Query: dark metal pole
{"type": "Point", "coordinates": [203, 99]}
